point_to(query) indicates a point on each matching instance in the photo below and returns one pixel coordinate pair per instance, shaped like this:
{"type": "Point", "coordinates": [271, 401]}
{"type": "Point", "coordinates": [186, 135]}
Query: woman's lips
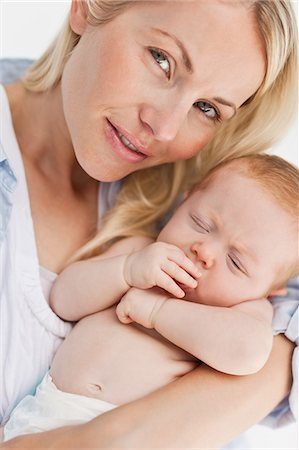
{"type": "Point", "coordinates": [121, 143]}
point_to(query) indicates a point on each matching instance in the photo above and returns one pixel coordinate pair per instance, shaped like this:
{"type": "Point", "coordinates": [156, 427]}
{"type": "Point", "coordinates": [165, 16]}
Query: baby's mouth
{"type": "Point", "coordinates": [185, 287]}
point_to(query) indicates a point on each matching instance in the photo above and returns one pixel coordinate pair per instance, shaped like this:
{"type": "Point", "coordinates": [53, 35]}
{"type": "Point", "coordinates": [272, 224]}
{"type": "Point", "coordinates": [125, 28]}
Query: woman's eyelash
{"type": "Point", "coordinates": [209, 110]}
{"type": "Point", "coordinates": [161, 59]}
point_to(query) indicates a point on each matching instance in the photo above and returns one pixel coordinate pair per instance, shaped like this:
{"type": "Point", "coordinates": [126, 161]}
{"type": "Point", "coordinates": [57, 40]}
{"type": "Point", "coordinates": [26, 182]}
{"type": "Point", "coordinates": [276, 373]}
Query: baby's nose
{"type": "Point", "coordinates": [204, 254]}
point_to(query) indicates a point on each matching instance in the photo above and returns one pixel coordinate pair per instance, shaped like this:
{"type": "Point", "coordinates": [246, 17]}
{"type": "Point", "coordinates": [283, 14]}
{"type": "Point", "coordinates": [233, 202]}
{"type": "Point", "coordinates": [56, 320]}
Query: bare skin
{"type": "Point", "coordinates": [99, 343]}
{"type": "Point", "coordinates": [135, 424]}
{"type": "Point", "coordinates": [68, 195]}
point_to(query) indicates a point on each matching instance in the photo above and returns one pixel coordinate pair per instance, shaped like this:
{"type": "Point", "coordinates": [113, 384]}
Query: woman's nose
{"type": "Point", "coordinates": [204, 253]}
{"type": "Point", "coordinates": [165, 118]}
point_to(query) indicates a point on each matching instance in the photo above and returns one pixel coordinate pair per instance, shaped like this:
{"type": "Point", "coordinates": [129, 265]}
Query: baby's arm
{"type": "Point", "coordinates": [235, 340]}
{"type": "Point", "coordinates": [89, 286]}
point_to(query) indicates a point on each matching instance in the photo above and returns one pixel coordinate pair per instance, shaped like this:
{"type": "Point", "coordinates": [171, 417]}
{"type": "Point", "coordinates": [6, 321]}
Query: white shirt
{"type": "Point", "coordinates": [30, 330]}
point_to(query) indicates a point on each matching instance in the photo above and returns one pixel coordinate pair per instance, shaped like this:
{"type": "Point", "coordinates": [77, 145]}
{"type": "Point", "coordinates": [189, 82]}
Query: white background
{"type": "Point", "coordinates": [26, 29]}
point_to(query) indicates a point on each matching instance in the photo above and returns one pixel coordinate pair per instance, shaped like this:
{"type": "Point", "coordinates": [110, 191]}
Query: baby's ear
{"type": "Point", "coordinates": [78, 16]}
{"type": "Point", "coordinates": [278, 292]}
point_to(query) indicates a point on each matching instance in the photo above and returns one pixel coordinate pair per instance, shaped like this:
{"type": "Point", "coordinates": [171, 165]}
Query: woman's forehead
{"type": "Point", "coordinates": [218, 39]}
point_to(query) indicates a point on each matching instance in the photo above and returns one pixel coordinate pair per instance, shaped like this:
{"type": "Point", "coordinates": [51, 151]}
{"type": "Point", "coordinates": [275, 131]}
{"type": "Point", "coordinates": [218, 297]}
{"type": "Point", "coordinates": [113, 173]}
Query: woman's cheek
{"type": "Point", "coordinates": [190, 146]}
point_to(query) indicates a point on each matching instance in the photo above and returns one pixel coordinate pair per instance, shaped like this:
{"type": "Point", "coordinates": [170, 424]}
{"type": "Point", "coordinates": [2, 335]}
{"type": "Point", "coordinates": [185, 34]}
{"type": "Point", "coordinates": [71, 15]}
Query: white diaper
{"type": "Point", "coordinates": [51, 408]}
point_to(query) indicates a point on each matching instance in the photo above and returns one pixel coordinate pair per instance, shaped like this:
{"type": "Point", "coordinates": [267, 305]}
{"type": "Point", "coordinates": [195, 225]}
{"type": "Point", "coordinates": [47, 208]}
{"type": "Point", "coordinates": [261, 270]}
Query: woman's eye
{"type": "Point", "coordinates": [208, 110]}
{"type": "Point", "coordinates": [161, 59]}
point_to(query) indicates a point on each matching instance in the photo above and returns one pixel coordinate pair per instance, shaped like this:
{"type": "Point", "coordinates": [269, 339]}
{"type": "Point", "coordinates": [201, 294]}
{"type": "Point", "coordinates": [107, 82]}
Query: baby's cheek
{"type": "Point", "coordinates": [196, 295]}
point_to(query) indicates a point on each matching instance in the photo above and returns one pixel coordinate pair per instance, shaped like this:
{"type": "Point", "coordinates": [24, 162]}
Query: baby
{"type": "Point", "coordinates": [197, 294]}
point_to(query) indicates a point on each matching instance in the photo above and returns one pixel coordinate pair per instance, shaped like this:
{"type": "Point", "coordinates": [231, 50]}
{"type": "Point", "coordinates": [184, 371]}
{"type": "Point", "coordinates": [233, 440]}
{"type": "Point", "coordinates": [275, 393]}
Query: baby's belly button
{"type": "Point", "coordinates": [79, 386]}
{"type": "Point", "coordinates": [93, 390]}
{"type": "Point", "coordinates": [101, 391]}
{"type": "Point", "coordinates": [99, 386]}
{"type": "Point", "coordinates": [94, 387]}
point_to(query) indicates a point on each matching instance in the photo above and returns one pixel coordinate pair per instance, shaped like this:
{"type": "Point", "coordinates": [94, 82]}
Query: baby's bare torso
{"type": "Point", "coordinates": [118, 363]}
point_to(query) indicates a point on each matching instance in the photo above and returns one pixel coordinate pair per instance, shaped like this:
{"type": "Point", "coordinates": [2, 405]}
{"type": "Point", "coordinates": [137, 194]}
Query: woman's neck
{"type": "Point", "coordinates": [43, 135]}
{"type": "Point", "coordinates": [60, 192]}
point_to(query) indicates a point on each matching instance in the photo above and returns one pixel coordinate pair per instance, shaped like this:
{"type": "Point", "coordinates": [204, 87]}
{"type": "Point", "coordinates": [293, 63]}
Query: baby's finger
{"type": "Point", "coordinates": [185, 263]}
{"type": "Point", "coordinates": [179, 274]}
{"type": "Point", "coordinates": [122, 315]}
{"type": "Point", "coordinates": [168, 284]}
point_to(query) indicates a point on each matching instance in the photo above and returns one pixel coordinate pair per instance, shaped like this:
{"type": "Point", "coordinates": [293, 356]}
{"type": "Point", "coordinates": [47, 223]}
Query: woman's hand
{"type": "Point", "coordinates": [163, 265]}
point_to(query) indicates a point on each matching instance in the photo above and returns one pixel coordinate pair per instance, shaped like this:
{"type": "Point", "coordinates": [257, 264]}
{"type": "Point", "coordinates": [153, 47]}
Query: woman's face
{"type": "Point", "coordinates": [153, 85]}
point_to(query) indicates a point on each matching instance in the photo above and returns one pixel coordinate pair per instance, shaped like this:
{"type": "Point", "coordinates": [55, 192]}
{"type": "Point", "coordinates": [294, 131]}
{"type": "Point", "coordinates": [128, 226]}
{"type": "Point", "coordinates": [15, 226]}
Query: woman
{"type": "Point", "coordinates": [126, 87]}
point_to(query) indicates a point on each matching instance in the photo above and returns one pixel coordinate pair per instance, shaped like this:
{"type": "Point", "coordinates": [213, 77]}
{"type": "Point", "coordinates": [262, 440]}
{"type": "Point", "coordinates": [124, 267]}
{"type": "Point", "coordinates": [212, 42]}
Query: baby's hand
{"type": "Point", "coordinates": [163, 265]}
{"type": "Point", "coordinates": [140, 306]}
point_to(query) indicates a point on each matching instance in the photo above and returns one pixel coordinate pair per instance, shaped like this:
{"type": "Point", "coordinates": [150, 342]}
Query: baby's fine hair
{"type": "Point", "coordinates": [279, 178]}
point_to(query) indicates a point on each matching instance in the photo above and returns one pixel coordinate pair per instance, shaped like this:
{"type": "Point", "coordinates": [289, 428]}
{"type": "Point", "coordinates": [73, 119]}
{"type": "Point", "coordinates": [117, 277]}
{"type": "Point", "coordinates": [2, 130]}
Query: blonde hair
{"type": "Point", "coordinates": [257, 124]}
{"type": "Point", "coordinates": [280, 179]}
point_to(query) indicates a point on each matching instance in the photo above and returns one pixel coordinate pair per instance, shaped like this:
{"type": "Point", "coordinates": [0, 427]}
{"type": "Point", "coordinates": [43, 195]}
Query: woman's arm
{"type": "Point", "coordinates": [204, 409]}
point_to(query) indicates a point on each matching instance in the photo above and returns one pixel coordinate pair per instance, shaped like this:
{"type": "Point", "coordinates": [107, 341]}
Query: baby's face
{"type": "Point", "coordinates": [237, 234]}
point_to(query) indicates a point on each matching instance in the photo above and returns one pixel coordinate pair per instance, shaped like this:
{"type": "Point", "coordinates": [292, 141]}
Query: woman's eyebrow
{"type": "Point", "coordinates": [180, 45]}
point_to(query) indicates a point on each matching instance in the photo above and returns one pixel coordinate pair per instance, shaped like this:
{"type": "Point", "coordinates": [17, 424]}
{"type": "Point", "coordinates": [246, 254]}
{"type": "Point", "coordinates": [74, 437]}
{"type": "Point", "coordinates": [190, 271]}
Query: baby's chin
{"type": "Point", "coordinates": [192, 296]}
{"type": "Point", "coordinates": [198, 295]}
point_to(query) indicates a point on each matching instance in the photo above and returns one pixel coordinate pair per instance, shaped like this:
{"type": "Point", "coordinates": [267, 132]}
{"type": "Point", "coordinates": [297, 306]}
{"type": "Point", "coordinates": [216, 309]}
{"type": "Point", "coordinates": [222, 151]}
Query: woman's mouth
{"type": "Point", "coordinates": [127, 143]}
{"type": "Point", "coordinates": [123, 146]}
